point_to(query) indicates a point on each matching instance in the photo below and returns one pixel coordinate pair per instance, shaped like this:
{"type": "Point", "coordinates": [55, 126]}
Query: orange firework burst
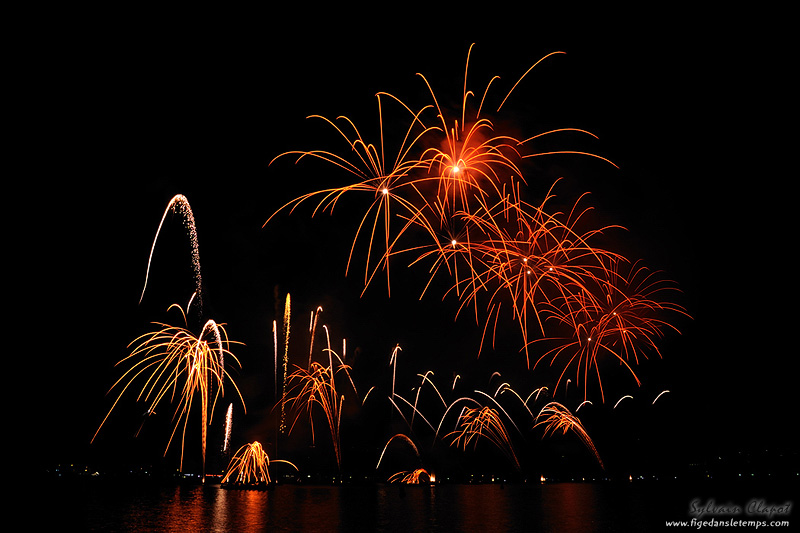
{"type": "Point", "coordinates": [250, 466]}
{"type": "Point", "coordinates": [623, 321]}
{"type": "Point", "coordinates": [173, 362]}
{"type": "Point", "coordinates": [518, 253]}
{"type": "Point", "coordinates": [412, 477]}
{"type": "Point", "coordinates": [470, 163]}
{"type": "Point", "coordinates": [315, 385]}
{"type": "Point", "coordinates": [557, 417]}
{"type": "Point", "coordinates": [484, 422]}
{"type": "Point", "coordinates": [384, 183]}
{"type": "Point", "coordinates": [457, 183]}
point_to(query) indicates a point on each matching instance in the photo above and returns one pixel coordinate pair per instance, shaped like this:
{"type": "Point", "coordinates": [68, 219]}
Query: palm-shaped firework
{"type": "Point", "coordinates": [176, 365]}
{"type": "Point", "coordinates": [250, 466]}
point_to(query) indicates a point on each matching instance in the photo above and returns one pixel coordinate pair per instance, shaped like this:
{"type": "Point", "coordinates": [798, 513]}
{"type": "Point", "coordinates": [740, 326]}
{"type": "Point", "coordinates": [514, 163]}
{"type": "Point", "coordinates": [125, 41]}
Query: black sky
{"type": "Point", "coordinates": [123, 113]}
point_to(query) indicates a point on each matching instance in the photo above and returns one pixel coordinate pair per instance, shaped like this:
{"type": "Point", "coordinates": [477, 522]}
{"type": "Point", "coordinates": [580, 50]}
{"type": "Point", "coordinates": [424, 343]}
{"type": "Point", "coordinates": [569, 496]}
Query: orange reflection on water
{"type": "Point", "coordinates": [484, 508]}
{"type": "Point", "coordinates": [569, 507]}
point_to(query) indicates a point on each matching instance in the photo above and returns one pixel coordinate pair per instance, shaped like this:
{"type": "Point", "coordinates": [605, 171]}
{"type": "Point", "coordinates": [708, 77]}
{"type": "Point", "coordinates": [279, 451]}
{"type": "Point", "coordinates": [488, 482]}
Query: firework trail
{"type": "Point", "coordinates": [228, 428]}
{"type": "Point", "coordinates": [287, 312]}
{"type": "Point", "coordinates": [312, 329]}
{"type": "Point", "coordinates": [179, 204]}
{"type": "Point", "coordinates": [622, 398]}
{"type": "Point", "coordinates": [659, 396]}
{"type": "Point", "coordinates": [275, 360]}
{"type": "Point", "coordinates": [402, 437]}
{"type": "Point", "coordinates": [393, 362]}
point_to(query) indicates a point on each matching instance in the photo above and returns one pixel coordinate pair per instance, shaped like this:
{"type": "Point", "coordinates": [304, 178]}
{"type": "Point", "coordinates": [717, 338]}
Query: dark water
{"type": "Point", "coordinates": [551, 507]}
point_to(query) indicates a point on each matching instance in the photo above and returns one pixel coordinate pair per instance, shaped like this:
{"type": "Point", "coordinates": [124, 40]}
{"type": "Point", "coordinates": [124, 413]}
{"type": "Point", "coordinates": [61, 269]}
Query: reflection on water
{"type": "Point", "coordinates": [556, 507]}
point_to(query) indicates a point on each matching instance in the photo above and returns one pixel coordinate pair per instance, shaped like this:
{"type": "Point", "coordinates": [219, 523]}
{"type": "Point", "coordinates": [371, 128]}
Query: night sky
{"type": "Point", "coordinates": [123, 113]}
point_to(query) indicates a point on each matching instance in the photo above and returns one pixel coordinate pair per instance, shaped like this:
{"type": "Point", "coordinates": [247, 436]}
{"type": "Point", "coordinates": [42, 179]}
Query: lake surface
{"type": "Point", "coordinates": [96, 505]}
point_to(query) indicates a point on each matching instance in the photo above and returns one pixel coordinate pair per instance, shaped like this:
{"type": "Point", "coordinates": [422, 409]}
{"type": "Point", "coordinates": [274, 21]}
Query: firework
{"type": "Point", "coordinates": [312, 329]}
{"type": "Point", "coordinates": [484, 422]}
{"type": "Point", "coordinates": [622, 320]}
{"type": "Point", "coordinates": [403, 438]}
{"type": "Point", "coordinates": [660, 394]}
{"type": "Point", "coordinates": [447, 191]}
{"type": "Point", "coordinates": [413, 477]}
{"type": "Point", "coordinates": [384, 183]}
{"type": "Point", "coordinates": [228, 428]}
{"type": "Point", "coordinates": [622, 398]}
{"type": "Point", "coordinates": [174, 362]}
{"type": "Point", "coordinates": [287, 312]}
{"type": "Point", "coordinates": [557, 417]}
{"type": "Point", "coordinates": [459, 184]}
{"type": "Point", "coordinates": [250, 466]}
{"type": "Point", "coordinates": [275, 357]}
{"type": "Point", "coordinates": [393, 362]}
{"type": "Point", "coordinates": [179, 204]}
{"type": "Point", "coordinates": [316, 386]}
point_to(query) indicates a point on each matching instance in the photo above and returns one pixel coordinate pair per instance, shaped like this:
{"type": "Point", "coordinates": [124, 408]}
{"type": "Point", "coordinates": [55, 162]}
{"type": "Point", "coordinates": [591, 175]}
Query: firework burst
{"type": "Point", "coordinates": [177, 365]}
{"type": "Point", "coordinates": [555, 416]}
{"type": "Point", "coordinates": [623, 320]}
{"type": "Point", "coordinates": [475, 424]}
{"type": "Point", "coordinates": [316, 386]}
{"type": "Point", "coordinates": [250, 466]}
{"type": "Point", "coordinates": [457, 182]}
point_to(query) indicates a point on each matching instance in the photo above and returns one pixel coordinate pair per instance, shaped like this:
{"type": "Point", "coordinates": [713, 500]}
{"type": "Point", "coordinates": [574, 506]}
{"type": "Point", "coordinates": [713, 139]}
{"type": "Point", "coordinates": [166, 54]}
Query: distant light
{"type": "Point", "coordinates": [453, 242]}
{"type": "Point", "coordinates": [456, 169]}
{"type": "Point", "coordinates": [385, 191]}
